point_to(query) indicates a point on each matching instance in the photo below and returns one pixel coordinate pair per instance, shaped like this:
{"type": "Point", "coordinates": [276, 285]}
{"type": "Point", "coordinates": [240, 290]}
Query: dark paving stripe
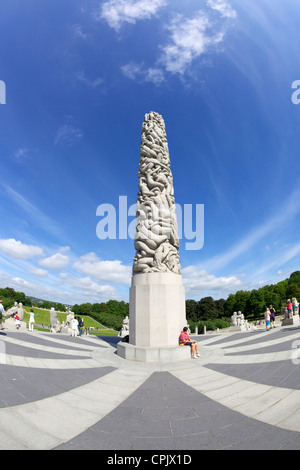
{"type": "Point", "coordinates": [166, 414]}
{"type": "Point", "coordinates": [268, 336]}
{"type": "Point", "coordinates": [20, 385]}
{"type": "Point", "coordinates": [27, 351]}
{"type": "Point", "coordinates": [279, 374]}
{"type": "Point", "coordinates": [283, 346]}
{"type": "Point", "coordinates": [42, 341]}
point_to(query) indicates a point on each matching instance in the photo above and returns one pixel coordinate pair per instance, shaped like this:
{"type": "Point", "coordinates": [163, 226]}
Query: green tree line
{"type": "Point", "coordinates": [251, 303]}
{"type": "Point", "coordinates": [9, 296]}
{"type": "Point", "coordinates": [214, 313]}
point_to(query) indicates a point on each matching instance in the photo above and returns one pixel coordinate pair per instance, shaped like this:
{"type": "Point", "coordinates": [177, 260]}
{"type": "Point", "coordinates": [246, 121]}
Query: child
{"type": "Point", "coordinates": [18, 323]}
{"type": "Point", "coordinates": [267, 318]}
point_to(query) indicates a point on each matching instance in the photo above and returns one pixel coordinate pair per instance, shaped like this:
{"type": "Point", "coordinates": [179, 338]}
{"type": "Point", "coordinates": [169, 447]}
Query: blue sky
{"type": "Point", "coordinates": [79, 77]}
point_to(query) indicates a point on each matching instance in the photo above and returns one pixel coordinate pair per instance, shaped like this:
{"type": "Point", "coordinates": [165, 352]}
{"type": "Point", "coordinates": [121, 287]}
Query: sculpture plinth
{"type": "Point", "coordinates": [157, 296]}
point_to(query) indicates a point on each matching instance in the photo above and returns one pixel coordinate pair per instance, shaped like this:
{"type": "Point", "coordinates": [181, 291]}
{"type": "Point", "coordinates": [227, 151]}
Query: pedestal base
{"type": "Point", "coordinates": [157, 310]}
{"type": "Point", "coordinates": [153, 355]}
{"type": "Point", "coordinates": [287, 321]}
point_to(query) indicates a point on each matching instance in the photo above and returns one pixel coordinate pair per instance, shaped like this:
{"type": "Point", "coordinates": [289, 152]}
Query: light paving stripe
{"type": "Point", "coordinates": [272, 405]}
{"type": "Point", "coordinates": [45, 424]}
{"type": "Point", "coordinates": [256, 358]}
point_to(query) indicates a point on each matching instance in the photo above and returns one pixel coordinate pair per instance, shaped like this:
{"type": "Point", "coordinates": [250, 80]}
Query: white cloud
{"type": "Point", "coordinates": [38, 272]}
{"type": "Point", "coordinates": [189, 38]}
{"type": "Point", "coordinates": [116, 12]}
{"type": "Point", "coordinates": [68, 135]}
{"type": "Point", "coordinates": [222, 7]}
{"type": "Point", "coordinates": [199, 282]}
{"type": "Point", "coordinates": [57, 261]}
{"type": "Point", "coordinates": [105, 271]}
{"type": "Point", "coordinates": [17, 249]}
{"type": "Point", "coordinates": [89, 287]}
{"type": "Point", "coordinates": [64, 249]}
{"type": "Point", "coordinates": [139, 72]}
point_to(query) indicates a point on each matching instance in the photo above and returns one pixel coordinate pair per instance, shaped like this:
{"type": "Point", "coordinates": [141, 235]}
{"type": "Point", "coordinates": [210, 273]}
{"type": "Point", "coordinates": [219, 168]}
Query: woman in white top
{"type": "Point", "coordinates": [31, 320]}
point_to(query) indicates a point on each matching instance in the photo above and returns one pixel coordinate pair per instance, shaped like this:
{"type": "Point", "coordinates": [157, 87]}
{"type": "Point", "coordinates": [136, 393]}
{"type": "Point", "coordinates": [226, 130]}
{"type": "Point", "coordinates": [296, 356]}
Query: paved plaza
{"type": "Point", "coordinates": [64, 393]}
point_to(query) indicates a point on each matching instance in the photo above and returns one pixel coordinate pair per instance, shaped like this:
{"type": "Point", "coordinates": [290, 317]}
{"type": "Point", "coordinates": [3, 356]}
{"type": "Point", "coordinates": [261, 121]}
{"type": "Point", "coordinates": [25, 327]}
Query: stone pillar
{"type": "Point", "coordinates": [157, 297]}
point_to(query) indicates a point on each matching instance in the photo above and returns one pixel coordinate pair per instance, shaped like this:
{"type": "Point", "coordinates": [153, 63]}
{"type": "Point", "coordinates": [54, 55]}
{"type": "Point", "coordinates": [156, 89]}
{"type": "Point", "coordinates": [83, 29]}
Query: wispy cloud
{"type": "Point", "coordinates": [68, 135]}
{"type": "Point", "coordinates": [188, 38]}
{"type": "Point", "coordinates": [284, 215]}
{"type": "Point", "coordinates": [35, 214]}
{"type": "Point", "coordinates": [139, 72]}
{"type": "Point", "coordinates": [87, 81]}
{"type": "Point", "coordinates": [223, 7]}
{"type": "Point", "coordinates": [20, 154]}
{"type": "Point", "coordinates": [78, 32]}
{"type": "Point", "coordinates": [116, 12]}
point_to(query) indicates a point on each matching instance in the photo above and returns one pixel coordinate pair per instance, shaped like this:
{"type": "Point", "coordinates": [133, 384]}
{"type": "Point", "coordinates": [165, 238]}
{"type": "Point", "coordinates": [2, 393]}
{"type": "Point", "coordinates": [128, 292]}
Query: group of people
{"type": "Point", "coordinates": [291, 308]}
{"type": "Point", "coordinates": [270, 318]}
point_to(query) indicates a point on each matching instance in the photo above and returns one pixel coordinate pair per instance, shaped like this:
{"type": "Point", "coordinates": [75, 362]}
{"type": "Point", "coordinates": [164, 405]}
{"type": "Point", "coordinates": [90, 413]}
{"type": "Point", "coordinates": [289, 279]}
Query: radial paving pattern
{"type": "Point", "coordinates": [58, 392]}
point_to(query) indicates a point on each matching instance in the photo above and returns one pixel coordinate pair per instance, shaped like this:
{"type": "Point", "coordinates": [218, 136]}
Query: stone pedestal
{"type": "Point", "coordinates": [287, 321]}
{"type": "Point", "coordinates": [11, 323]}
{"type": "Point", "coordinates": [157, 317]}
{"type": "Point", "coordinates": [157, 309]}
{"type": "Point", "coordinates": [153, 355]}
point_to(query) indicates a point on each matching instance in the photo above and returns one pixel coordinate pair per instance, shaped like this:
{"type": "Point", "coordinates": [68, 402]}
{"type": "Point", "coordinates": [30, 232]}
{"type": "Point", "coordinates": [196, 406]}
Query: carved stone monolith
{"type": "Point", "coordinates": [157, 296]}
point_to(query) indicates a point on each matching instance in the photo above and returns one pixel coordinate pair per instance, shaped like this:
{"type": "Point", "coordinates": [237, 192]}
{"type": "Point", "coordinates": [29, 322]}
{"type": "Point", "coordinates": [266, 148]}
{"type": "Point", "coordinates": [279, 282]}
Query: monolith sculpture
{"type": "Point", "coordinates": [157, 296]}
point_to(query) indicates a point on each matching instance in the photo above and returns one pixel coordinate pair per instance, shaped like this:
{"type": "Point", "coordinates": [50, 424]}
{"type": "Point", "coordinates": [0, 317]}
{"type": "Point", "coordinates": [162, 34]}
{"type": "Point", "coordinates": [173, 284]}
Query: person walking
{"type": "Point", "coordinates": [185, 340]}
{"type": "Point", "coordinates": [289, 306]}
{"type": "Point", "coordinates": [272, 316]}
{"type": "Point", "coordinates": [31, 320]}
{"type": "Point", "coordinates": [2, 312]}
{"type": "Point", "coordinates": [74, 326]}
{"type": "Point", "coordinates": [80, 324]}
{"type": "Point", "coordinates": [267, 318]}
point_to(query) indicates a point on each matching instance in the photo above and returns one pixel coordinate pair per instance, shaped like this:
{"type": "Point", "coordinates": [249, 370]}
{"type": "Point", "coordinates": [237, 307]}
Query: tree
{"type": "Point", "coordinates": [294, 278]}
{"type": "Point", "coordinates": [220, 305]}
{"type": "Point", "coordinates": [207, 309]}
{"type": "Point", "coordinates": [293, 290]}
{"type": "Point", "coordinates": [191, 310]}
{"type": "Point", "coordinates": [242, 302]}
{"type": "Point", "coordinates": [229, 306]}
{"type": "Point", "coordinates": [257, 302]}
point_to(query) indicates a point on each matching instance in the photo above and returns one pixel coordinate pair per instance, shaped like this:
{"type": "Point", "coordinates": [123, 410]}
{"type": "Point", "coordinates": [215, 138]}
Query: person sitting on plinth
{"type": "Point", "coordinates": [185, 340]}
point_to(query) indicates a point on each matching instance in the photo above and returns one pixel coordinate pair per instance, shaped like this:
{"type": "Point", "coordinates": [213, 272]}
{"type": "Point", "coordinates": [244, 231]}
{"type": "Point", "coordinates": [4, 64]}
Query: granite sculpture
{"type": "Point", "coordinates": [156, 238]}
{"type": "Point", "coordinates": [157, 296]}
